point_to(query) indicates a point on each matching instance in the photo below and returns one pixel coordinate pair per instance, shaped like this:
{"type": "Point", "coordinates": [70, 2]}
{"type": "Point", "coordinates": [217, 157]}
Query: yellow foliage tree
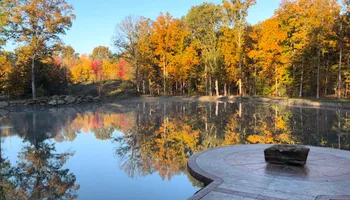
{"type": "Point", "coordinates": [82, 72]}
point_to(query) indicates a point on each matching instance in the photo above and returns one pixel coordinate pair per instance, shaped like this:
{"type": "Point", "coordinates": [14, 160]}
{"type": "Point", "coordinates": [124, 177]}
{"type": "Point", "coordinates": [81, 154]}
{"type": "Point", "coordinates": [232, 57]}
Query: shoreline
{"type": "Point", "coordinates": [333, 104]}
{"type": "Point", "coordinates": [235, 99]}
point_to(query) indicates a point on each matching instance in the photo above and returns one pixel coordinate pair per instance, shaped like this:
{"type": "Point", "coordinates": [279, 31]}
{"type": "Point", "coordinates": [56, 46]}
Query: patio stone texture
{"type": "Point", "coordinates": [241, 172]}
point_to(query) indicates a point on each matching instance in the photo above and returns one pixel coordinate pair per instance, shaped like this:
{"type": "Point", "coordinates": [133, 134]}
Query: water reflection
{"type": "Point", "coordinates": [38, 175]}
{"type": "Point", "coordinates": [155, 138]}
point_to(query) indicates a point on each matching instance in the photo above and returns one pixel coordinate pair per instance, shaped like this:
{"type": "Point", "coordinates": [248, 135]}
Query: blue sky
{"type": "Point", "coordinates": [96, 20]}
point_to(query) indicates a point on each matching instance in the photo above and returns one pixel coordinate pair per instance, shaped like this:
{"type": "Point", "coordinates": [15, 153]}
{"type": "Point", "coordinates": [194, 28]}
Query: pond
{"type": "Point", "coordinates": [140, 150]}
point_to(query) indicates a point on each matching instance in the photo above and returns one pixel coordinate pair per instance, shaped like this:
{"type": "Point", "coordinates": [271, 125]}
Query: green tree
{"type": "Point", "coordinates": [101, 53]}
{"type": "Point", "coordinates": [68, 52]}
{"type": "Point", "coordinates": [237, 12]}
{"type": "Point", "coordinates": [204, 22]}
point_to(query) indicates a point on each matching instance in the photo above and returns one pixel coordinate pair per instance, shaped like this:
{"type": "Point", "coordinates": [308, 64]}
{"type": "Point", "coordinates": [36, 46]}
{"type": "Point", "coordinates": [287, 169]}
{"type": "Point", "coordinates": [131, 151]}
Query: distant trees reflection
{"type": "Point", "coordinates": [157, 137]}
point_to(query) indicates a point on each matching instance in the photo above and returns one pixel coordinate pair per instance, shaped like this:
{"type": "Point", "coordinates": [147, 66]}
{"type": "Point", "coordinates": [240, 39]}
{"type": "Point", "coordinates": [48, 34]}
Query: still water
{"type": "Point", "coordinates": [140, 150]}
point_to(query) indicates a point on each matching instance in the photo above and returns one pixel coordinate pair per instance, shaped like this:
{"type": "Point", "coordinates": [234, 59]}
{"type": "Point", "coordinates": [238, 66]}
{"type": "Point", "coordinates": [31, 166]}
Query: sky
{"type": "Point", "coordinates": [96, 20]}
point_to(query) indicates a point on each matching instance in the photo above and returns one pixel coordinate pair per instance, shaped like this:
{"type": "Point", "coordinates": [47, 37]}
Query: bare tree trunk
{"type": "Point", "coordinates": [206, 79]}
{"type": "Point", "coordinates": [217, 87]}
{"type": "Point", "coordinates": [301, 80]}
{"type": "Point", "coordinates": [210, 90]}
{"type": "Point", "coordinates": [33, 77]}
{"type": "Point", "coordinates": [340, 59]}
{"type": "Point", "coordinates": [189, 87]}
{"type": "Point", "coordinates": [183, 87]}
{"type": "Point", "coordinates": [150, 86]}
{"type": "Point", "coordinates": [137, 75]}
{"type": "Point", "coordinates": [326, 81]}
{"type": "Point", "coordinates": [143, 86]}
{"type": "Point", "coordinates": [225, 89]}
{"type": "Point", "coordinates": [318, 72]}
{"type": "Point", "coordinates": [229, 90]}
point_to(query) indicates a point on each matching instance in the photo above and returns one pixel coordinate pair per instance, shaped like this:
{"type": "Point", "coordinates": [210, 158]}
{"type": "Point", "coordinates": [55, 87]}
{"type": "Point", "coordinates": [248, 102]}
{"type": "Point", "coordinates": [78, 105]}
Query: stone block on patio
{"type": "Point", "coordinates": [287, 154]}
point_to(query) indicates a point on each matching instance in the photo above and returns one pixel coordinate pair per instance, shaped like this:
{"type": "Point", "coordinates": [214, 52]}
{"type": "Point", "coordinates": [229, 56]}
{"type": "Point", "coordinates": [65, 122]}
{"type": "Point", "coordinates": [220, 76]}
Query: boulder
{"type": "Point", "coordinates": [55, 97]}
{"type": "Point", "coordinates": [42, 100]}
{"type": "Point", "coordinates": [4, 104]}
{"type": "Point", "coordinates": [31, 102]}
{"type": "Point", "coordinates": [69, 99]}
{"type": "Point", "coordinates": [52, 102]}
{"type": "Point", "coordinates": [80, 99]}
{"type": "Point", "coordinates": [89, 98]}
{"type": "Point", "coordinates": [97, 99]}
{"type": "Point", "coordinates": [61, 102]}
{"type": "Point", "coordinates": [287, 154]}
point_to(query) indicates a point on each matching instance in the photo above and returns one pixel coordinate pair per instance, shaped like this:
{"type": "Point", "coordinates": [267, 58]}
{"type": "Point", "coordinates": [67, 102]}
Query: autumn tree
{"type": "Point", "coordinates": [270, 55]}
{"type": "Point", "coordinates": [96, 67]}
{"type": "Point", "coordinates": [126, 39]}
{"type": "Point", "coordinates": [189, 64]}
{"type": "Point", "coordinates": [237, 12]}
{"type": "Point", "coordinates": [6, 65]}
{"type": "Point", "coordinates": [147, 68]}
{"type": "Point", "coordinates": [81, 73]}
{"type": "Point", "coordinates": [164, 40]}
{"type": "Point", "coordinates": [322, 14]}
{"type": "Point", "coordinates": [294, 22]}
{"type": "Point", "coordinates": [38, 24]}
{"type": "Point", "coordinates": [5, 14]}
{"type": "Point", "coordinates": [343, 38]}
{"type": "Point", "coordinates": [69, 55]}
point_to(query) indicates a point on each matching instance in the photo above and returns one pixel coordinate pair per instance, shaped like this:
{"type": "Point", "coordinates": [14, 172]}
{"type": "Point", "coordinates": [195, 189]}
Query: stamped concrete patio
{"type": "Point", "coordinates": [240, 172]}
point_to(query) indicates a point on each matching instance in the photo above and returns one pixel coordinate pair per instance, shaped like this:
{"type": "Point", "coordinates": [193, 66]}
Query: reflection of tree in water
{"type": "Point", "coordinates": [160, 137]}
{"type": "Point", "coordinates": [129, 155]}
{"type": "Point", "coordinates": [6, 187]}
{"type": "Point", "coordinates": [164, 136]}
{"type": "Point", "coordinates": [156, 144]}
{"type": "Point", "coordinates": [39, 174]}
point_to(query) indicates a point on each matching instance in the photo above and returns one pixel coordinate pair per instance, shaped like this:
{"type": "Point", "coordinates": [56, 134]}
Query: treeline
{"type": "Point", "coordinates": [302, 51]}
{"type": "Point", "coordinates": [57, 73]}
